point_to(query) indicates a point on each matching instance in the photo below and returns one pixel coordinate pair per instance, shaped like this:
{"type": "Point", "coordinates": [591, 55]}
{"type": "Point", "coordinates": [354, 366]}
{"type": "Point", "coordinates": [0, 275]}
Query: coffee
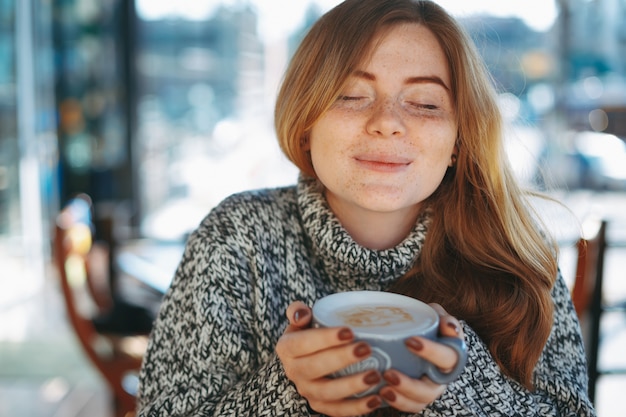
{"type": "Point", "coordinates": [376, 314]}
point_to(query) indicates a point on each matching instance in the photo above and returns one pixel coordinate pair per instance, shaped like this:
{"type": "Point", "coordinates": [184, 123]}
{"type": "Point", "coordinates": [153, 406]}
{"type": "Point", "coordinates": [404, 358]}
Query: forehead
{"type": "Point", "coordinates": [406, 49]}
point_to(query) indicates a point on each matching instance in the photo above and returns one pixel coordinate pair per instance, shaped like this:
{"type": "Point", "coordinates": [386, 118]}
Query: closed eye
{"type": "Point", "coordinates": [424, 106]}
{"type": "Point", "coordinates": [350, 98]}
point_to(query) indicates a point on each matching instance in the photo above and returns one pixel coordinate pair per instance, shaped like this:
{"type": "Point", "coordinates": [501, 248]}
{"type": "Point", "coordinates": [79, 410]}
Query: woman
{"type": "Point", "coordinates": [391, 117]}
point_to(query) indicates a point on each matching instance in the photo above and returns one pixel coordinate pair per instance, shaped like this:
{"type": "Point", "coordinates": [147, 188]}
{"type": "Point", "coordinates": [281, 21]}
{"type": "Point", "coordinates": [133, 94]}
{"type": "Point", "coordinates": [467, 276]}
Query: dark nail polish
{"type": "Point", "coordinates": [374, 403]}
{"type": "Point", "coordinates": [391, 378]}
{"type": "Point", "coordinates": [414, 344]}
{"type": "Point", "coordinates": [345, 334]}
{"type": "Point", "coordinates": [453, 326]}
{"type": "Point", "coordinates": [300, 314]}
{"type": "Point", "coordinates": [389, 396]}
{"type": "Point", "coordinates": [362, 350]}
{"type": "Point", "coordinates": [372, 378]}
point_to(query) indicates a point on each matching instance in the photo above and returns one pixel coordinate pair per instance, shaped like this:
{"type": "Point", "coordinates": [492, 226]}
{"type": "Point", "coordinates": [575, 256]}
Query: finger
{"type": "Point", "coordinates": [440, 355]}
{"type": "Point", "coordinates": [349, 407]}
{"type": "Point", "coordinates": [299, 314]}
{"type": "Point", "coordinates": [336, 389]}
{"type": "Point", "coordinates": [329, 361]}
{"type": "Point", "coordinates": [408, 394]}
{"type": "Point", "coordinates": [298, 343]}
{"type": "Point", "coordinates": [448, 325]}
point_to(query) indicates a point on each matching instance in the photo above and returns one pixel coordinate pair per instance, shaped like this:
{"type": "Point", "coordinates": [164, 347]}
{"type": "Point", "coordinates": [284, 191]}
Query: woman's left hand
{"type": "Point", "coordinates": [413, 395]}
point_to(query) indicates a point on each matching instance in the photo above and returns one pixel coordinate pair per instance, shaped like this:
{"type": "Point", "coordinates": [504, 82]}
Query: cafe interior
{"type": "Point", "coordinates": [123, 122]}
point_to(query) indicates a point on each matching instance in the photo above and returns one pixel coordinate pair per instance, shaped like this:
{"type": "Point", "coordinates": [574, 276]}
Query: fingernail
{"type": "Point", "coordinates": [391, 378]}
{"type": "Point", "coordinates": [374, 403]}
{"type": "Point", "coordinates": [300, 314]}
{"type": "Point", "coordinates": [345, 334]}
{"type": "Point", "coordinates": [361, 350]}
{"type": "Point", "coordinates": [372, 378]}
{"type": "Point", "coordinates": [452, 325]}
{"type": "Point", "coordinates": [389, 396]}
{"type": "Point", "coordinates": [414, 344]}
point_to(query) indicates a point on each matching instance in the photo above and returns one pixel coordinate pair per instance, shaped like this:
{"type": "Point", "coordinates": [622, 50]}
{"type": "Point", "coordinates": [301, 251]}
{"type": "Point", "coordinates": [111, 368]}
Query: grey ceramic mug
{"type": "Point", "coordinates": [385, 320]}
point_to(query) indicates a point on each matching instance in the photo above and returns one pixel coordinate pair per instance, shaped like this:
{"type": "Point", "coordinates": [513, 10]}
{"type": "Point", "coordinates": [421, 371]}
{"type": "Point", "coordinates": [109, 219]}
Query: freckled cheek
{"type": "Point", "coordinates": [328, 144]}
{"type": "Point", "coordinates": [351, 185]}
{"type": "Point", "coordinates": [325, 153]}
{"type": "Point", "coordinates": [329, 163]}
{"type": "Point", "coordinates": [436, 155]}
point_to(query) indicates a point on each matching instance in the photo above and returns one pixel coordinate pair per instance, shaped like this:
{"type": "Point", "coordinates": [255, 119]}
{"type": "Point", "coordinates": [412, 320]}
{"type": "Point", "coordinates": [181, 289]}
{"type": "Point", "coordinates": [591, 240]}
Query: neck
{"type": "Point", "coordinates": [377, 230]}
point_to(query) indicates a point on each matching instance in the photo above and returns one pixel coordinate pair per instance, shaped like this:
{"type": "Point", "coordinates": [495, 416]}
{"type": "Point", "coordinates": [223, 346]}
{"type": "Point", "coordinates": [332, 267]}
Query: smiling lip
{"type": "Point", "coordinates": [383, 163]}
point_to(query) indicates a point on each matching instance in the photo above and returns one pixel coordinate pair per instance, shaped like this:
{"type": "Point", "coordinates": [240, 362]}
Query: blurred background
{"type": "Point", "coordinates": [155, 110]}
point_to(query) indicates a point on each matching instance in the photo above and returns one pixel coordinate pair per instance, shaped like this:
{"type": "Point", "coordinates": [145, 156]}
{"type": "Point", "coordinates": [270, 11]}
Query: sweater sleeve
{"type": "Point", "coordinates": [204, 358]}
{"type": "Point", "coordinates": [560, 376]}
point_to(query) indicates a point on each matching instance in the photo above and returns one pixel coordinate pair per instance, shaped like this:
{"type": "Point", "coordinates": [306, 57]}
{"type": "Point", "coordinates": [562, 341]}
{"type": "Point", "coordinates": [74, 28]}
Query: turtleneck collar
{"type": "Point", "coordinates": [341, 257]}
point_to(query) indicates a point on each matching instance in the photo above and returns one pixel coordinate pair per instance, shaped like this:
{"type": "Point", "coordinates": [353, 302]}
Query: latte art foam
{"type": "Point", "coordinates": [374, 316]}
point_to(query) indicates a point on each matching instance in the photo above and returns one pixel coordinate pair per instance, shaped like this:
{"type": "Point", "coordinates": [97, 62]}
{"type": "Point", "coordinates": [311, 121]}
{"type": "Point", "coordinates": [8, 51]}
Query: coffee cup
{"type": "Point", "coordinates": [385, 320]}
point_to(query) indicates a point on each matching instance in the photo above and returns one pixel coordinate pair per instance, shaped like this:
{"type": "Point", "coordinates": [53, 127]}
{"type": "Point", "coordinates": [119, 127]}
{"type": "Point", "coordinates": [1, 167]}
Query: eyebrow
{"type": "Point", "coordinates": [430, 79]}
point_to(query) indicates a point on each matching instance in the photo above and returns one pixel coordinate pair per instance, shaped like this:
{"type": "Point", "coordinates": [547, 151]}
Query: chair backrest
{"type": "Point", "coordinates": [72, 246]}
{"type": "Point", "coordinates": [590, 249]}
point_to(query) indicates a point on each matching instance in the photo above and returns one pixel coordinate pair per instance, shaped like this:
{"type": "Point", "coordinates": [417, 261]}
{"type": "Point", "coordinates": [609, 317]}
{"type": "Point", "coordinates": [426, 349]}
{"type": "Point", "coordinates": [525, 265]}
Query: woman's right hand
{"type": "Point", "coordinates": [310, 355]}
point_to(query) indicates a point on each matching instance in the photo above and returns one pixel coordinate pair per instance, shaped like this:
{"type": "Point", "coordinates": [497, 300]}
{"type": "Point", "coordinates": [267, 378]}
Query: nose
{"type": "Point", "coordinates": [386, 120]}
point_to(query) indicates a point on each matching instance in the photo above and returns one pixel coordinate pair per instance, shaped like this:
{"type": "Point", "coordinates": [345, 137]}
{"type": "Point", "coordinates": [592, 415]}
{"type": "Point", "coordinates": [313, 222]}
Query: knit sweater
{"type": "Point", "coordinates": [211, 352]}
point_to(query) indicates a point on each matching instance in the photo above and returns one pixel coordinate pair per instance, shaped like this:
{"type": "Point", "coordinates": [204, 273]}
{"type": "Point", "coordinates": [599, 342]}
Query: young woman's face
{"type": "Point", "coordinates": [385, 144]}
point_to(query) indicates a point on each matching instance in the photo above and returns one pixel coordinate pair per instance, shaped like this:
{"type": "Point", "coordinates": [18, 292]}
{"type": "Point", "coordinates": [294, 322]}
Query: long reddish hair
{"type": "Point", "coordinates": [484, 259]}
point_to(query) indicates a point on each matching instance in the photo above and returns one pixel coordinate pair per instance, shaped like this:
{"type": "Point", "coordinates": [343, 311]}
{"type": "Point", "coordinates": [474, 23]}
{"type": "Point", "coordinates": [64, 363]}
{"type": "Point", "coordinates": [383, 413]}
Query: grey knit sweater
{"type": "Point", "coordinates": [211, 352]}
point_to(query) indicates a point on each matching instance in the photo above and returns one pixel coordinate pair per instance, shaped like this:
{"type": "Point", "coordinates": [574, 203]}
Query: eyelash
{"type": "Point", "coordinates": [349, 98]}
{"type": "Point", "coordinates": [424, 106]}
{"type": "Point", "coordinates": [414, 106]}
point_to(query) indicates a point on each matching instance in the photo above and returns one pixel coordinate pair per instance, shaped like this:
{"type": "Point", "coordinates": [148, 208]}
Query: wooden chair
{"type": "Point", "coordinates": [587, 295]}
{"type": "Point", "coordinates": [590, 264]}
{"type": "Point", "coordinates": [116, 357]}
